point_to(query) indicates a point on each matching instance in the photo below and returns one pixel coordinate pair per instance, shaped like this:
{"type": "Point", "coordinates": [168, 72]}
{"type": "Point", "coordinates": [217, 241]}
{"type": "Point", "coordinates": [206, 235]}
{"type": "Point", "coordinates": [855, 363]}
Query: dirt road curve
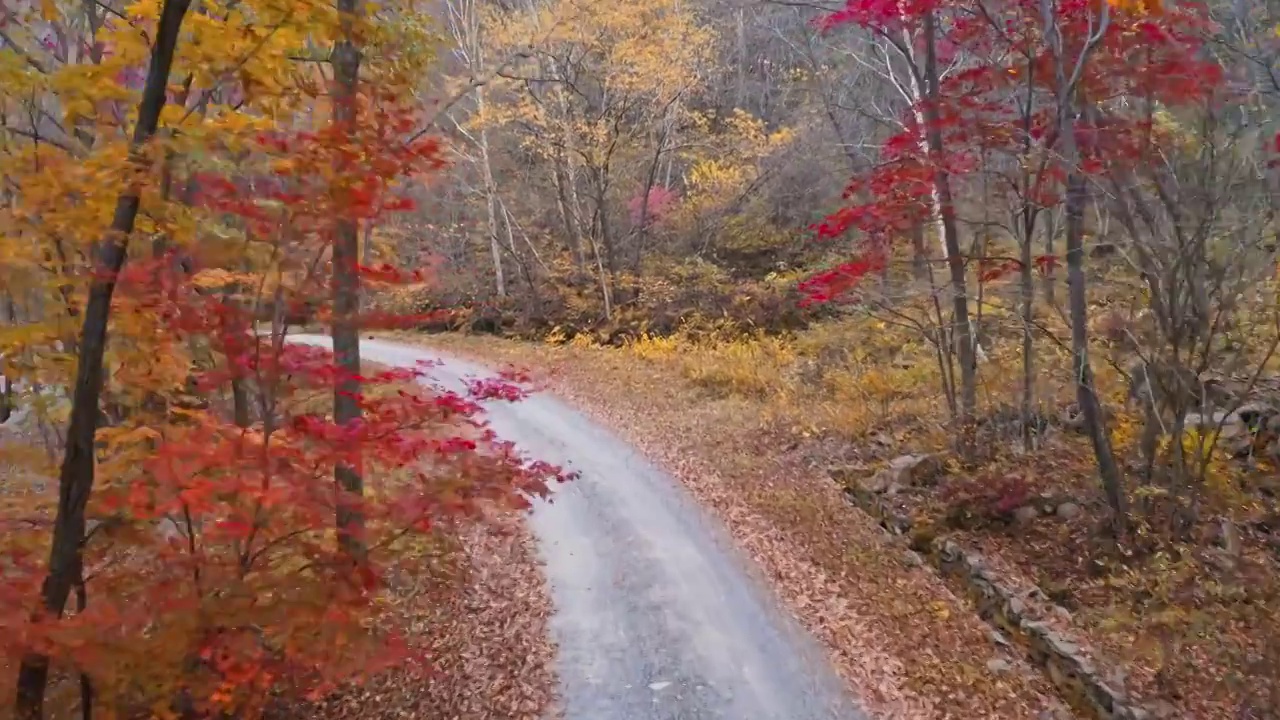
{"type": "Point", "coordinates": [657, 616]}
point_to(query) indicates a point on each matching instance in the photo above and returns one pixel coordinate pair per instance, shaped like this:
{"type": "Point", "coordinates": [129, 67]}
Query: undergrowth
{"type": "Point", "coordinates": [877, 387]}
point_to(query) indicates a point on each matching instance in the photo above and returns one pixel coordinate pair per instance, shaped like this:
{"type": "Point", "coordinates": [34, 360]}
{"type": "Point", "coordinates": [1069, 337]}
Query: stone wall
{"type": "Point", "coordinates": [1062, 660]}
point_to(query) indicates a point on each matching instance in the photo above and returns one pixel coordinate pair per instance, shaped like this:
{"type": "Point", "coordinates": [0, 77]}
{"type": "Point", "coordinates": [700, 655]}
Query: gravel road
{"type": "Point", "coordinates": [657, 616]}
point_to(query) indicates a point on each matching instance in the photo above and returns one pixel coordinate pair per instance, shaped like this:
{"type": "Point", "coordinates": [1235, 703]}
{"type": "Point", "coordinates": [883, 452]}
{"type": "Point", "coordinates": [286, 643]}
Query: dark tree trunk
{"type": "Point", "coordinates": [1027, 292]}
{"type": "Point", "coordinates": [6, 401]}
{"type": "Point", "coordinates": [961, 329]}
{"type": "Point", "coordinates": [1050, 271]}
{"type": "Point", "coordinates": [346, 298]}
{"type": "Point", "coordinates": [86, 682]}
{"type": "Point", "coordinates": [75, 481]}
{"type": "Point", "coordinates": [919, 252]}
{"type": "Point", "coordinates": [6, 395]}
{"type": "Point", "coordinates": [1077, 299]}
{"type": "Point", "coordinates": [1069, 105]}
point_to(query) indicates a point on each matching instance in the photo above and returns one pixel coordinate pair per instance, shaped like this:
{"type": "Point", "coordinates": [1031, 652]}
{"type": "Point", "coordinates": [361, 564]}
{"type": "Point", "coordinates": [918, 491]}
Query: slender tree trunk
{"type": "Point", "coordinates": [491, 202]}
{"type": "Point", "coordinates": [567, 182]}
{"type": "Point", "coordinates": [1050, 272]}
{"type": "Point", "coordinates": [346, 298]}
{"type": "Point", "coordinates": [239, 384]}
{"type": "Point", "coordinates": [919, 252]}
{"type": "Point", "coordinates": [6, 392]}
{"type": "Point", "coordinates": [366, 247]}
{"type": "Point", "coordinates": [75, 480]}
{"type": "Point", "coordinates": [962, 332]}
{"type": "Point", "coordinates": [573, 234]}
{"type": "Point", "coordinates": [740, 88]}
{"type": "Point", "coordinates": [1086, 392]}
{"type": "Point", "coordinates": [86, 682]}
{"type": "Point", "coordinates": [1027, 290]}
{"type": "Point", "coordinates": [6, 399]}
{"type": "Point", "coordinates": [602, 244]}
{"type": "Point", "coordinates": [1077, 292]}
{"type": "Point", "coordinates": [606, 292]}
{"type": "Point", "coordinates": [1077, 300]}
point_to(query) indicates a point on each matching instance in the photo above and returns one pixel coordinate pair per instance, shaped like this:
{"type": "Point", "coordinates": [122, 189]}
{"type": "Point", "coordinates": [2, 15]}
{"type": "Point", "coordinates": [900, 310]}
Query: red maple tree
{"type": "Point", "coordinates": [212, 566]}
{"type": "Point", "coordinates": [996, 111]}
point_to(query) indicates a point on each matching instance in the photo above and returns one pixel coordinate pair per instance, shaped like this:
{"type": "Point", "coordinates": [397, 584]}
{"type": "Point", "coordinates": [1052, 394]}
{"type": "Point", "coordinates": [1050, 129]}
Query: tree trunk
{"type": "Point", "coordinates": [75, 480]}
{"type": "Point", "coordinates": [86, 682]}
{"type": "Point", "coordinates": [1027, 291]}
{"type": "Point", "coordinates": [6, 385]}
{"type": "Point", "coordinates": [491, 202]}
{"type": "Point", "coordinates": [568, 216]}
{"type": "Point", "coordinates": [1050, 272]}
{"type": "Point", "coordinates": [1077, 299]}
{"type": "Point", "coordinates": [346, 299]}
{"type": "Point", "coordinates": [1077, 292]}
{"type": "Point", "coordinates": [6, 399]}
{"type": "Point", "coordinates": [961, 331]}
{"type": "Point", "coordinates": [919, 252]}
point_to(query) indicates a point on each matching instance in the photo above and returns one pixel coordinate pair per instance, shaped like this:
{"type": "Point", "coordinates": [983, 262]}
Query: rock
{"type": "Point", "coordinates": [1071, 418]}
{"type": "Point", "coordinates": [1229, 536]}
{"type": "Point", "coordinates": [904, 471]}
{"type": "Point", "coordinates": [1069, 511]}
{"type": "Point", "coordinates": [1062, 659]}
{"type": "Point", "coordinates": [1015, 606]}
{"type": "Point", "coordinates": [999, 639]}
{"type": "Point", "coordinates": [914, 470]}
{"type": "Point", "coordinates": [1118, 676]}
{"type": "Point", "coordinates": [877, 483]}
{"type": "Point", "coordinates": [1036, 594]}
{"type": "Point", "coordinates": [1026, 514]}
{"type": "Point", "coordinates": [1162, 710]}
{"type": "Point", "coordinates": [911, 558]}
{"type": "Point", "coordinates": [1205, 422]}
{"type": "Point", "coordinates": [1235, 438]}
{"type": "Point", "coordinates": [1255, 414]}
{"type": "Point", "coordinates": [847, 475]}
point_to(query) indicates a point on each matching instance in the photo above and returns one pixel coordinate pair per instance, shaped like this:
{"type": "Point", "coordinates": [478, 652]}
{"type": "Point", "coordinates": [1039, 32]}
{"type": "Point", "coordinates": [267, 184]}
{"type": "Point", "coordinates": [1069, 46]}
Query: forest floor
{"type": "Point", "coordinates": [897, 633]}
{"type": "Point", "coordinates": [485, 634]}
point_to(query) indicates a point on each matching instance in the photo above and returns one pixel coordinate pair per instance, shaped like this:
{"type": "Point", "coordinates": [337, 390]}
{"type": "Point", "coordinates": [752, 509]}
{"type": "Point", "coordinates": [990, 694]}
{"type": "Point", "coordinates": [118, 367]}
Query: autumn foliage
{"type": "Point", "coordinates": [209, 581]}
{"type": "Point", "coordinates": [997, 112]}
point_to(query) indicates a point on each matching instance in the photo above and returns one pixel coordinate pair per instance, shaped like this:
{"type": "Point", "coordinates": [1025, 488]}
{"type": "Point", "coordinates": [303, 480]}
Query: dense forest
{"type": "Point", "coordinates": [995, 277]}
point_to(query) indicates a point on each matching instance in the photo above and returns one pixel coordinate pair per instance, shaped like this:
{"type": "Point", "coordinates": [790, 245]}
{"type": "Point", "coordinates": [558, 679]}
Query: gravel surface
{"type": "Point", "coordinates": [656, 615]}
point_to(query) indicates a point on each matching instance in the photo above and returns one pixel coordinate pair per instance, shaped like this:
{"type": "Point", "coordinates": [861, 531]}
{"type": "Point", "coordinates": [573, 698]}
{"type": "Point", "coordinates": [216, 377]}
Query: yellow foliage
{"type": "Point", "coordinates": [648, 54]}
{"type": "Point", "coordinates": [652, 347]}
{"type": "Point", "coordinates": [1138, 7]}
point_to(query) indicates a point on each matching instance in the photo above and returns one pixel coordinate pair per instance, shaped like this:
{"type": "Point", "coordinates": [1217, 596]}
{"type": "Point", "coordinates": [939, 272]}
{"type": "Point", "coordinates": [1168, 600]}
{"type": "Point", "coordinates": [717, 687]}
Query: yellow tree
{"type": "Point", "coordinates": [605, 90]}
